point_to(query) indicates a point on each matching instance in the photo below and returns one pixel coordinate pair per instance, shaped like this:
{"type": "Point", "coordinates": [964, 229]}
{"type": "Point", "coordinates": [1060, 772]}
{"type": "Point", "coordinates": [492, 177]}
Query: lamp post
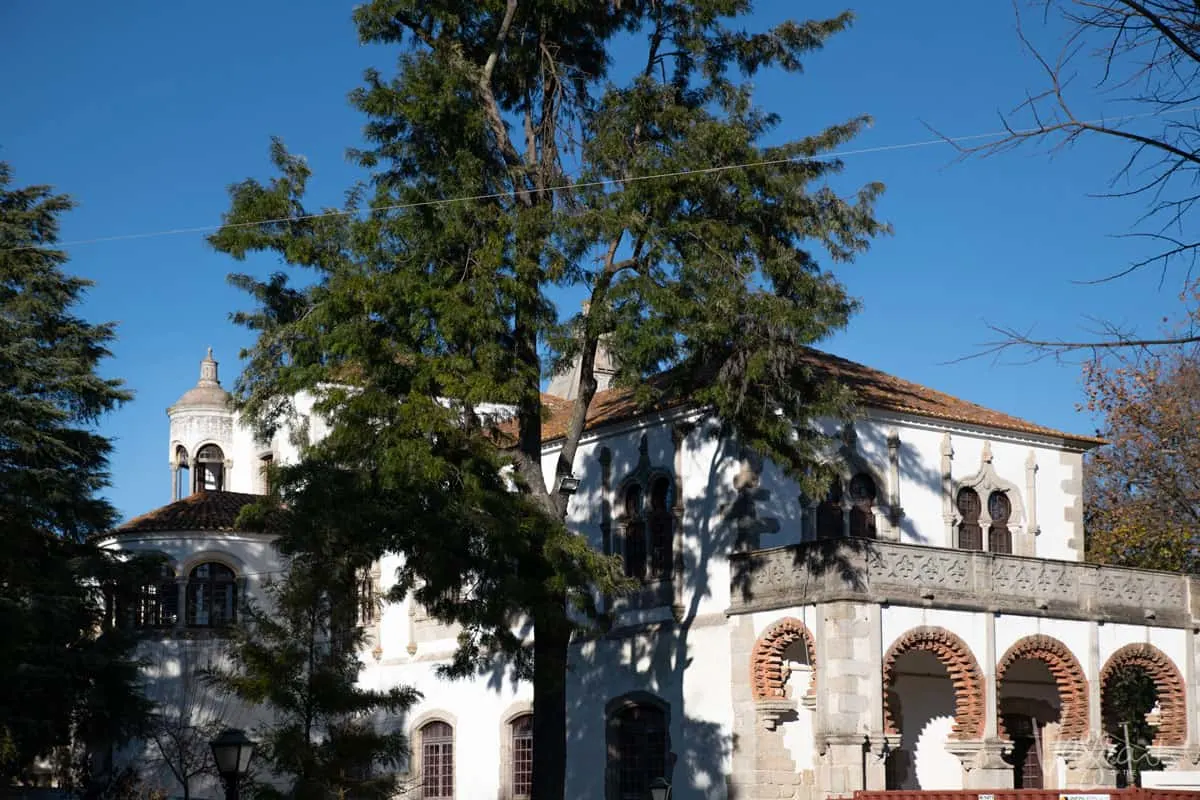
{"type": "Point", "coordinates": [232, 750]}
{"type": "Point", "coordinates": [660, 789]}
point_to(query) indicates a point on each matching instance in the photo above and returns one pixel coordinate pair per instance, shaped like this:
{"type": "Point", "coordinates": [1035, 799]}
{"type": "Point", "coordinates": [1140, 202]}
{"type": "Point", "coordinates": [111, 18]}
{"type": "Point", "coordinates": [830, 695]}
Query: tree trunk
{"type": "Point", "coordinates": [552, 638]}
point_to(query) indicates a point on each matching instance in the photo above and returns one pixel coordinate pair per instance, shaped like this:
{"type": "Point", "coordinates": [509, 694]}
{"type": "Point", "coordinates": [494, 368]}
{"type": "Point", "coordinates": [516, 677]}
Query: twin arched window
{"type": "Point", "coordinates": [835, 516]}
{"type": "Point", "coordinates": [649, 529]}
{"type": "Point", "coordinates": [209, 469]}
{"type": "Point", "coordinates": [970, 528]}
{"type": "Point", "coordinates": [210, 599]}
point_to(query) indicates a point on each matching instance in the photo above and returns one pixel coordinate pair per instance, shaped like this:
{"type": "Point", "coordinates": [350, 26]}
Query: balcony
{"type": "Point", "coordinates": [916, 575]}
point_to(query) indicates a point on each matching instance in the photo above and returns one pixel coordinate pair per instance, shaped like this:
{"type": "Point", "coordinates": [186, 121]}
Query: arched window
{"type": "Point", "coordinates": [1000, 510]}
{"type": "Point", "coordinates": [635, 533]}
{"type": "Point", "coordinates": [211, 596]}
{"type": "Point", "coordinates": [437, 760]}
{"type": "Point", "coordinates": [210, 469]}
{"type": "Point", "coordinates": [158, 601]}
{"type": "Point", "coordinates": [862, 505]}
{"type": "Point", "coordinates": [970, 534]}
{"type": "Point", "coordinates": [830, 520]}
{"type": "Point", "coordinates": [183, 481]}
{"type": "Point", "coordinates": [521, 733]}
{"type": "Point", "coordinates": [662, 527]}
{"type": "Point", "coordinates": [638, 749]}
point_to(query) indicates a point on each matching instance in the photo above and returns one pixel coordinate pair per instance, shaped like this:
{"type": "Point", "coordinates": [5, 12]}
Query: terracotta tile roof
{"type": "Point", "coordinates": [875, 390]}
{"type": "Point", "coordinates": [202, 511]}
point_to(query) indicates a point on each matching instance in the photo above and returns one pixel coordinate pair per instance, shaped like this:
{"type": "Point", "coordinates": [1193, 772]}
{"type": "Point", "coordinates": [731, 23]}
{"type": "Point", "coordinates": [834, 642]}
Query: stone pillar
{"type": "Point", "coordinates": [1087, 765]}
{"type": "Point", "coordinates": [881, 744]}
{"type": "Point", "coordinates": [983, 761]}
{"type": "Point", "coordinates": [174, 481]}
{"type": "Point", "coordinates": [181, 582]}
{"type": "Point", "coordinates": [845, 677]}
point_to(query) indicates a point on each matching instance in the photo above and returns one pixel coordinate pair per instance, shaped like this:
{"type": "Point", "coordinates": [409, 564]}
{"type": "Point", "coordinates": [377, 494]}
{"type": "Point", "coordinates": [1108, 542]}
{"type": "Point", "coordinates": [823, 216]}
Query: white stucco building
{"type": "Point", "coordinates": [931, 624]}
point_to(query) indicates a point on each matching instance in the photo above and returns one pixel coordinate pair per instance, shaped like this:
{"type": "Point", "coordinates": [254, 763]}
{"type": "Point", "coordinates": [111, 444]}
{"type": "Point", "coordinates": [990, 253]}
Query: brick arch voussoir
{"type": "Point", "coordinates": [766, 660]}
{"type": "Point", "coordinates": [963, 669]}
{"type": "Point", "coordinates": [1168, 682]}
{"type": "Point", "coordinates": [1068, 677]}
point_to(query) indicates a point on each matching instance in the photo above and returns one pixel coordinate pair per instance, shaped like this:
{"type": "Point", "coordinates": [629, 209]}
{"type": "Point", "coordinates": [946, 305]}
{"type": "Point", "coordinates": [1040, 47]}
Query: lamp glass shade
{"type": "Point", "coordinates": [660, 789]}
{"type": "Point", "coordinates": [232, 750]}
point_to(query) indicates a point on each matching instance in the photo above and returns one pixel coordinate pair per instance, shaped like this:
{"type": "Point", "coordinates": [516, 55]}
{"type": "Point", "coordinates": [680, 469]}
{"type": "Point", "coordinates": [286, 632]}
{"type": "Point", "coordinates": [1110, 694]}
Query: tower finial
{"type": "Point", "coordinates": [208, 370]}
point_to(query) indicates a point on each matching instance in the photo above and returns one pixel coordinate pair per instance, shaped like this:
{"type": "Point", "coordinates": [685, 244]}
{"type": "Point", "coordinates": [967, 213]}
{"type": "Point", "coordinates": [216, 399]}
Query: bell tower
{"type": "Point", "coordinates": [201, 437]}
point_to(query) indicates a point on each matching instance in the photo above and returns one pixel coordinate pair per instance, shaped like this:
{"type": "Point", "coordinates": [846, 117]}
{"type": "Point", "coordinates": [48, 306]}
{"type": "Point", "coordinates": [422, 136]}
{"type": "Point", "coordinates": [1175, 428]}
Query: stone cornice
{"type": "Point", "coordinates": [932, 577]}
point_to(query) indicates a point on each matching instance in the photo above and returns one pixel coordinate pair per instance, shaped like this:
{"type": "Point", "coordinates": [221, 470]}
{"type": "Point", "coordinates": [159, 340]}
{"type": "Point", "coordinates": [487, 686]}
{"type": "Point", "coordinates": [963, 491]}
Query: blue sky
{"type": "Point", "coordinates": [146, 111]}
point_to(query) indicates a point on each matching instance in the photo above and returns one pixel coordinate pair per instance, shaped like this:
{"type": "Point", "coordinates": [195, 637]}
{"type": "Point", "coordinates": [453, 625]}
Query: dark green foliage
{"type": "Point", "coordinates": [65, 677]}
{"type": "Point", "coordinates": [296, 658]}
{"type": "Point", "coordinates": [1129, 695]}
{"type": "Point", "coordinates": [706, 285]}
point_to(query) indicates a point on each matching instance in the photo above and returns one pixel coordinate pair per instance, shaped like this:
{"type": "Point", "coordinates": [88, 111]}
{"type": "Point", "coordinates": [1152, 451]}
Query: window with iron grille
{"type": "Point", "coordinates": [862, 506]}
{"type": "Point", "coordinates": [662, 527]}
{"type": "Point", "coordinates": [641, 750]}
{"type": "Point", "coordinates": [830, 521]}
{"type": "Point", "coordinates": [522, 756]}
{"type": "Point", "coordinates": [211, 596]}
{"type": "Point", "coordinates": [999, 535]}
{"type": "Point", "coordinates": [970, 534]}
{"type": "Point", "coordinates": [158, 602]}
{"type": "Point", "coordinates": [437, 760]}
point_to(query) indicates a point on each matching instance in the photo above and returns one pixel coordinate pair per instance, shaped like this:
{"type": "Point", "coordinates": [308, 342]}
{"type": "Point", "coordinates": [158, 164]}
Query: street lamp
{"type": "Point", "coordinates": [660, 789]}
{"type": "Point", "coordinates": [232, 750]}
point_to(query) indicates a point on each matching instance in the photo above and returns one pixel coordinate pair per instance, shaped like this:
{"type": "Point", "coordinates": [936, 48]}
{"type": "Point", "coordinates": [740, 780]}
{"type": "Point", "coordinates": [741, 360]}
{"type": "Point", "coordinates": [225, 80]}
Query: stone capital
{"type": "Point", "coordinates": [774, 711]}
{"type": "Point", "coordinates": [1084, 754]}
{"type": "Point", "coordinates": [1174, 757]}
{"type": "Point", "coordinates": [883, 745]}
{"type": "Point", "coordinates": [826, 740]}
{"type": "Point", "coordinates": [981, 754]}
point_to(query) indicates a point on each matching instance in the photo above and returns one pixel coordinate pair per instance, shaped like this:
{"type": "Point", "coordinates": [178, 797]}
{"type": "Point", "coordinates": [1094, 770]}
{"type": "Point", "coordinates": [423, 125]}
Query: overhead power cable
{"type": "Point", "coordinates": [607, 182]}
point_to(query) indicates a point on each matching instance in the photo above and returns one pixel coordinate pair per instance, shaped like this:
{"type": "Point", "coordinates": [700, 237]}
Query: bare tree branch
{"type": "Point", "coordinates": [1150, 51]}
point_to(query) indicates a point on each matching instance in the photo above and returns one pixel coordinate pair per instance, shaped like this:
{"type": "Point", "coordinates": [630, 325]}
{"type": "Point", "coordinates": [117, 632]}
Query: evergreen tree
{"type": "Point", "coordinates": [295, 658]}
{"type": "Point", "coordinates": [423, 306]}
{"type": "Point", "coordinates": [66, 678]}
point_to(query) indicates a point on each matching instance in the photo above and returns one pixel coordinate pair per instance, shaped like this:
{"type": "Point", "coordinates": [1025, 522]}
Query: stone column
{"type": "Point", "coordinates": [846, 674]}
{"type": "Point", "coordinates": [1087, 766]}
{"type": "Point", "coordinates": [882, 745]}
{"type": "Point", "coordinates": [181, 582]}
{"type": "Point", "coordinates": [174, 481]}
{"type": "Point", "coordinates": [983, 761]}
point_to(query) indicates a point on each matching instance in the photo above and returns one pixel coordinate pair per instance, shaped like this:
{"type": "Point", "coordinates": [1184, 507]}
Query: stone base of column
{"type": "Point", "coordinates": [983, 763]}
{"type": "Point", "coordinates": [1174, 758]}
{"type": "Point", "coordinates": [881, 746]}
{"type": "Point", "coordinates": [1087, 763]}
{"type": "Point", "coordinates": [841, 762]}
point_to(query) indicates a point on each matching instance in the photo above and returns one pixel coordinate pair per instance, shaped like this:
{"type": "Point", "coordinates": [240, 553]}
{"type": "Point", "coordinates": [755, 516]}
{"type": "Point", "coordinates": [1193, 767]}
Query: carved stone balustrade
{"type": "Point", "coordinates": [904, 574]}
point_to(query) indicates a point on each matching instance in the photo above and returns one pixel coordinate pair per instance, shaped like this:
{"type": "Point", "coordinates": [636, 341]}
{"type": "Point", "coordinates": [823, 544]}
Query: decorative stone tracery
{"type": "Point", "coordinates": [1068, 675]}
{"type": "Point", "coordinates": [1172, 693]}
{"type": "Point", "coordinates": [960, 663]}
{"type": "Point", "coordinates": [768, 677]}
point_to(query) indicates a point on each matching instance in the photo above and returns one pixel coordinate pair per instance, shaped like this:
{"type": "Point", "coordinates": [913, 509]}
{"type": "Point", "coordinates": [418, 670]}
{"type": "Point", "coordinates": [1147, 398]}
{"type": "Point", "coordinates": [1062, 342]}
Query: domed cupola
{"type": "Point", "coordinates": [201, 435]}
